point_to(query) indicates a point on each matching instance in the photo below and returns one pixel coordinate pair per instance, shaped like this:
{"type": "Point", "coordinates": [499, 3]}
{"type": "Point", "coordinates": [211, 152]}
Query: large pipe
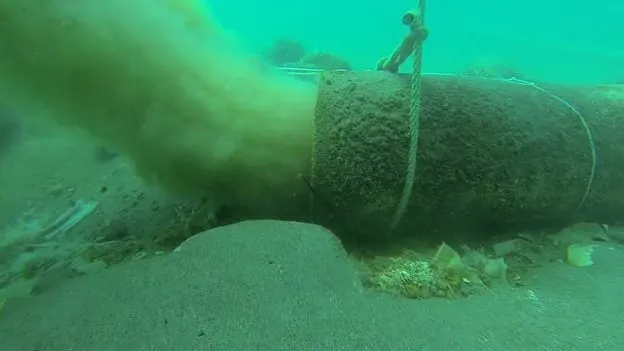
{"type": "Point", "coordinates": [494, 155]}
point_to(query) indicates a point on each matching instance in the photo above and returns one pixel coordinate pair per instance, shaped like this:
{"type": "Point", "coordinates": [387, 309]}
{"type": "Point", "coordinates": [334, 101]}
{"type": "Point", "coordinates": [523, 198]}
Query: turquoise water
{"type": "Point", "coordinates": [170, 180]}
{"type": "Point", "coordinates": [555, 40]}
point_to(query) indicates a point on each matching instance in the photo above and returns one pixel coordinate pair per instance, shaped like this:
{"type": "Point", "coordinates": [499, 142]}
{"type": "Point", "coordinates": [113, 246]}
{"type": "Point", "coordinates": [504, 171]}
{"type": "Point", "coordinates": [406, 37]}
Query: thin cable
{"type": "Point", "coordinates": [414, 127]}
{"type": "Point", "coordinates": [590, 136]}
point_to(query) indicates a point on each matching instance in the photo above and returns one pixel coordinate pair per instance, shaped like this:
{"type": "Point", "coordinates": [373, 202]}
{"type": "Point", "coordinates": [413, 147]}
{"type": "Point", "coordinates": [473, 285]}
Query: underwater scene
{"type": "Point", "coordinates": [317, 175]}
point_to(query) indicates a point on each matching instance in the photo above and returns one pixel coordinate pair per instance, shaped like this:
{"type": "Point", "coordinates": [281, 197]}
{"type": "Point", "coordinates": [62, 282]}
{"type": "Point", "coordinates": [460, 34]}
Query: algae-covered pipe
{"type": "Point", "coordinates": [494, 155]}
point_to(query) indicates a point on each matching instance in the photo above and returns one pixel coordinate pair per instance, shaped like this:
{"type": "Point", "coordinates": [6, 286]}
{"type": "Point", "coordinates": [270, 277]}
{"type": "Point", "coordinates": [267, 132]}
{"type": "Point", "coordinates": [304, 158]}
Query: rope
{"type": "Point", "coordinates": [416, 25]}
{"type": "Point", "coordinates": [416, 38]}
